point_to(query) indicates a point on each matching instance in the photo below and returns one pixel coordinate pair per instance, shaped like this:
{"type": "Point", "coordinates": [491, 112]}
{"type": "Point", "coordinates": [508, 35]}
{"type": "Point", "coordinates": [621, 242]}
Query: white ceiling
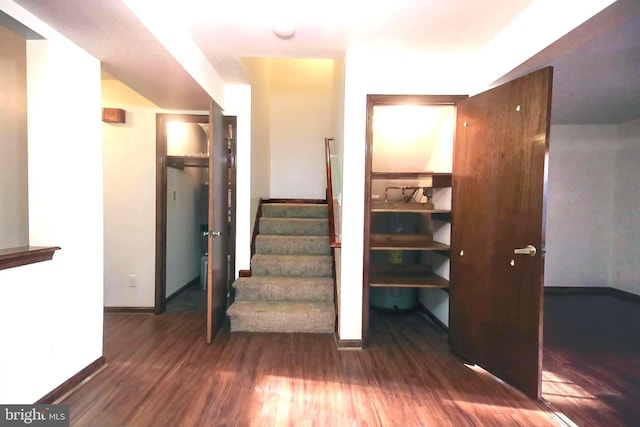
{"type": "Point", "coordinates": [327, 28]}
{"type": "Point", "coordinates": [596, 60]}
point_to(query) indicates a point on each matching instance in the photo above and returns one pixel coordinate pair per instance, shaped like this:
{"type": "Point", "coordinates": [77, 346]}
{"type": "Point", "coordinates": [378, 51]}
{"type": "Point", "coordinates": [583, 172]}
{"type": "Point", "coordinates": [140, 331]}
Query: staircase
{"type": "Point", "coordinates": [291, 287]}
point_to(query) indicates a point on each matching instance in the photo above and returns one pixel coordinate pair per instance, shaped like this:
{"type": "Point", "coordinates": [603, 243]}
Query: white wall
{"type": "Point", "coordinates": [625, 244]}
{"type": "Point", "coordinates": [238, 103]}
{"type": "Point", "coordinates": [51, 312]}
{"type": "Point", "coordinates": [580, 204]}
{"type": "Point", "coordinates": [295, 104]}
{"type": "Point", "coordinates": [259, 71]}
{"type": "Point", "coordinates": [129, 198]}
{"type": "Point", "coordinates": [593, 229]}
{"type": "Point", "coordinates": [337, 165]}
{"type": "Point", "coordinates": [184, 215]}
{"type": "Point", "coordinates": [302, 102]}
{"type": "Point", "coordinates": [337, 145]}
{"type": "Point", "coordinates": [14, 212]}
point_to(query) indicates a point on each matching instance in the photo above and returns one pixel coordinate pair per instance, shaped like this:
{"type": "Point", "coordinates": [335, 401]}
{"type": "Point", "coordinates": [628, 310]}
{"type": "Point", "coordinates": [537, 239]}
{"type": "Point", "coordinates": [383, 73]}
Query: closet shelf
{"type": "Point", "coordinates": [438, 179]}
{"type": "Point", "coordinates": [410, 276]}
{"type": "Point", "coordinates": [416, 242]}
{"type": "Point", "coordinates": [405, 207]}
{"type": "Point", "coordinates": [180, 162]}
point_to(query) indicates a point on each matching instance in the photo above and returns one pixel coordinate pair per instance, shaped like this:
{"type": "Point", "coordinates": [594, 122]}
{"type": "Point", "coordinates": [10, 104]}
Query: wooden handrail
{"type": "Point", "coordinates": [333, 242]}
{"type": "Point", "coordinates": [256, 227]}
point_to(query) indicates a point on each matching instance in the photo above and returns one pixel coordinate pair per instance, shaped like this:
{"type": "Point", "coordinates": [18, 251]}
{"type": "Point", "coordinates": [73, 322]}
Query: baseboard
{"type": "Point", "coordinates": [244, 273]}
{"type": "Point", "coordinates": [592, 290]}
{"type": "Point", "coordinates": [130, 310]}
{"type": "Point", "coordinates": [423, 309]}
{"type": "Point", "coordinates": [576, 290]}
{"type": "Point", "coordinates": [72, 382]}
{"type": "Point", "coordinates": [392, 310]}
{"type": "Point", "coordinates": [182, 289]}
{"type": "Point", "coordinates": [619, 293]}
{"type": "Point", "coordinates": [346, 345]}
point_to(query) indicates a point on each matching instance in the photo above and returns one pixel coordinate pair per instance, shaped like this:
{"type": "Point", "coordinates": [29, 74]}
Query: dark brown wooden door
{"type": "Point", "coordinates": [217, 220]}
{"type": "Point", "coordinates": [498, 202]}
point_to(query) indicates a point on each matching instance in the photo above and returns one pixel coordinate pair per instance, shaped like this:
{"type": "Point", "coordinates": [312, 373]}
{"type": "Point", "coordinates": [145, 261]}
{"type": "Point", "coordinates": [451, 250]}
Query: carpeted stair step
{"type": "Point", "coordinates": [294, 210]}
{"type": "Point", "coordinates": [291, 288]}
{"type": "Point", "coordinates": [291, 265]}
{"type": "Point", "coordinates": [274, 288]}
{"type": "Point", "coordinates": [292, 245]}
{"type": "Point", "coordinates": [279, 316]}
{"type": "Point", "coordinates": [294, 226]}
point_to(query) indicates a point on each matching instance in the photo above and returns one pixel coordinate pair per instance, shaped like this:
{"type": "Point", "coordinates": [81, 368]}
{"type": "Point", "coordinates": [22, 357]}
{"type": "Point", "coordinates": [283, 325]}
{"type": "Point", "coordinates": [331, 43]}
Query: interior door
{"type": "Point", "coordinates": [498, 204]}
{"type": "Point", "coordinates": [217, 221]}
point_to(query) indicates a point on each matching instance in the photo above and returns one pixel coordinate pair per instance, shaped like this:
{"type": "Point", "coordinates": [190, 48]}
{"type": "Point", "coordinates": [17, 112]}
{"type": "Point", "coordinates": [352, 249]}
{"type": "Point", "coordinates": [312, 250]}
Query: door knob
{"type": "Point", "coordinates": [211, 233]}
{"type": "Point", "coordinates": [529, 250]}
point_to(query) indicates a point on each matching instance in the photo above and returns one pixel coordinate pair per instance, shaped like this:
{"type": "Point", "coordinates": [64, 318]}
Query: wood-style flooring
{"type": "Point", "coordinates": [193, 298]}
{"type": "Point", "coordinates": [161, 373]}
{"type": "Point", "coordinates": [592, 359]}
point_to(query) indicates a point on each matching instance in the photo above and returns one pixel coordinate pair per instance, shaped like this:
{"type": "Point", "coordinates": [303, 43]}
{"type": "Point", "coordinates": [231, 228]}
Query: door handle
{"type": "Point", "coordinates": [529, 250]}
{"type": "Point", "coordinates": [211, 233]}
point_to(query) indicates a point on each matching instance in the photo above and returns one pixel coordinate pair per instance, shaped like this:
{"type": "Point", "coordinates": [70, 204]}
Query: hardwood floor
{"type": "Point", "coordinates": [193, 298]}
{"type": "Point", "coordinates": [592, 359]}
{"type": "Point", "coordinates": [161, 373]}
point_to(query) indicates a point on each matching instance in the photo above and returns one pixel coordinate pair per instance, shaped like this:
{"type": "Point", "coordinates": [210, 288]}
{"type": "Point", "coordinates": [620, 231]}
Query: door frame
{"type": "Point", "coordinates": [161, 202]}
{"type": "Point", "coordinates": [230, 131]}
{"type": "Point", "coordinates": [373, 101]}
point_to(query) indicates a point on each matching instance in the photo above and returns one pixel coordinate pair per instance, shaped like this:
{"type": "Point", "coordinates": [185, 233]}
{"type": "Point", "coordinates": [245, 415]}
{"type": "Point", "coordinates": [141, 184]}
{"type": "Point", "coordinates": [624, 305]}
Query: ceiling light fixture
{"type": "Point", "coordinates": [284, 29]}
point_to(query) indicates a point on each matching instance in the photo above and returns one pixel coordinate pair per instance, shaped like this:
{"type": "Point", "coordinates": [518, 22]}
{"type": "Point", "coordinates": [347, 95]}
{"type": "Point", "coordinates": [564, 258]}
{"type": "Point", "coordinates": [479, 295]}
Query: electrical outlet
{"type": "Point", "coordinates": [133, 280]}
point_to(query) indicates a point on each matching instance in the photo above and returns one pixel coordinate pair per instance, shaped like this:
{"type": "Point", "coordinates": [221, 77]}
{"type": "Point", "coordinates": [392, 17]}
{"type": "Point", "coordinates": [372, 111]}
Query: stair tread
{"type": "Point", "coordinates": [296, 205]}
{"type": "Point", "coordinates": [289, 219]}
{"type": "Point", "coordinates": [293, 226]}
{"type": "Point", "coordinates": [288, 280]}
{"type": "Point", "coordinates": [292, 265]}
{"type": "Point", "coordinates": [295, 210]}
{"type": "Point", "coordinates": [278, 244]}
{"type": "Point", "coordinates": [289, 237]}
{"type": "Point", "coordinates": [275, 288]}
{"type": "Point", "coordinates": [278, 316]}
{"type": "Point", "coordinates": [257, 307]}
{"type": "Point", "coordinates": [284, 258]}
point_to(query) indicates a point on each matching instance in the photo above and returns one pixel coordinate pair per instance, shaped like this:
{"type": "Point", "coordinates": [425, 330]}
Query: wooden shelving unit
{"type": "Point", "coordinates": [414, 274]}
